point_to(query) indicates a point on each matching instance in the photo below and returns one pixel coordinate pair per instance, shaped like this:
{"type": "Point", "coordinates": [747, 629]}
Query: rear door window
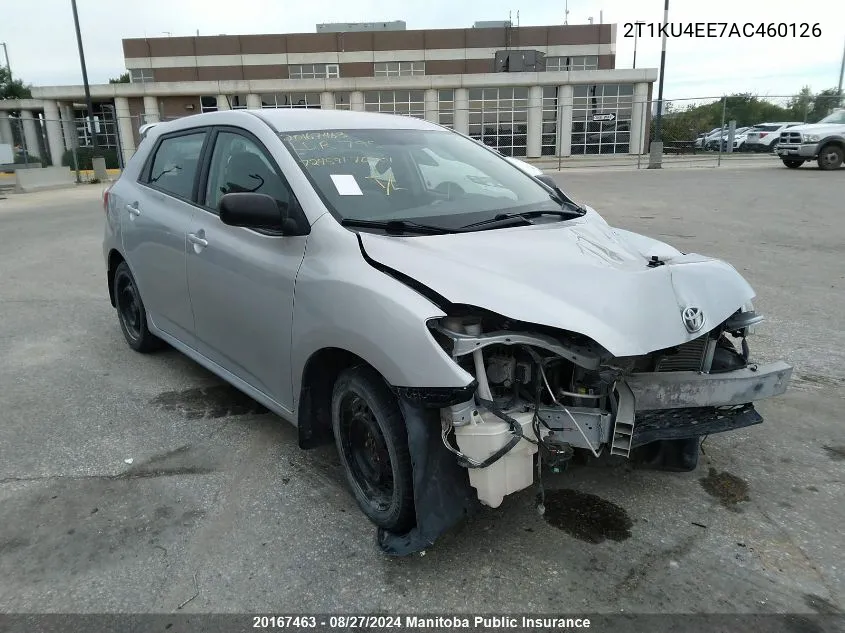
{"type": "Point", "coordinates": [176, 163]}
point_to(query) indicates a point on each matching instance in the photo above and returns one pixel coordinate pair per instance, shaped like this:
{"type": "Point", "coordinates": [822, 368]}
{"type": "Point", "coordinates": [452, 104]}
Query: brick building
{"type": "Point", "coordinates": [530, 91]}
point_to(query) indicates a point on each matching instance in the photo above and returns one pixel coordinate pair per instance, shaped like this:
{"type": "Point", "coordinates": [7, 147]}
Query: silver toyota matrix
{"type": "Point", "coordinates": [454, 323]}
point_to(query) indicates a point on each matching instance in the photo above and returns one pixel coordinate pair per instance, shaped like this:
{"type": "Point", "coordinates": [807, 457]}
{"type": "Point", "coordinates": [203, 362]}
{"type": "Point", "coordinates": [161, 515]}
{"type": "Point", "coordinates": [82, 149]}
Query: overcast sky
{"type": "Point", "coordinates": [42, 45]}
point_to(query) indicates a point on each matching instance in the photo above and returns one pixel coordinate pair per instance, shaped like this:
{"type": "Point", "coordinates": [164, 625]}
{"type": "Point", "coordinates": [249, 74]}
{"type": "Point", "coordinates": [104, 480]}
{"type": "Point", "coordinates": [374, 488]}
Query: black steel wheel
{"type": "Point", "coordinates": [131, 312]}
{"type": "Point", "coordinates": [792, 163]}
{"type": "Point", "coordinates": [830, 157]}
{"type": "Point", "coordinates": [372, 442]}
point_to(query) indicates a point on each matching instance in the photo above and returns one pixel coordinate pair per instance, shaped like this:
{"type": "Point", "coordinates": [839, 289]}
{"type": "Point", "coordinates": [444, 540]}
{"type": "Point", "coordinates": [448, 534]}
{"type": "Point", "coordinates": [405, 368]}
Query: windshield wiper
{"type": "Point", "coordinates": [525, 217]}
{"type": "Point", "coordinates": [397, 227]}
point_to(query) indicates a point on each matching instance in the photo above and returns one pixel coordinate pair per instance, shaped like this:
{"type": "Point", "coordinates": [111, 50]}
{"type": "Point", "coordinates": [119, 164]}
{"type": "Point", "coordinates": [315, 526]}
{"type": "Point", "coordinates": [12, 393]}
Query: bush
{"type": "Point", "coordinates": [22, 159]}
{"type": "Point", "coordinates": [85, 154]}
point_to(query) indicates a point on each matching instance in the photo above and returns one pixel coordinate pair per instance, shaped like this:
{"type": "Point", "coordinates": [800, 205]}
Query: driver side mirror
{"type": "Point", "coordinates": [258, 211]}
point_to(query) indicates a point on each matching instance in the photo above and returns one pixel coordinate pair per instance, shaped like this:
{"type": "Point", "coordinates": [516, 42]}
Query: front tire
{"type": "Point", "coordinates": [131, 312]}
{"type": "Point", "coordinates": [792, 163]}
{"type": "Point", "coordinates": [830, 157]}
{"type": "Point", "coordinates": [372, 442]}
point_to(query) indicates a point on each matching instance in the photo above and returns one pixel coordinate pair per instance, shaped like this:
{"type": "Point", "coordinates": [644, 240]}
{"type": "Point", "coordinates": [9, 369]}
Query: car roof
{"type": "Point", "coordinates": [303, 119]}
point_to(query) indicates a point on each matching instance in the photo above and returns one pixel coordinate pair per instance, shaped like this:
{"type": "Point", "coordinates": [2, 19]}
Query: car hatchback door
{"type": "Point", "coordinates": [241, 280]}
{"type": "Point", "coordinates": [155, 217]}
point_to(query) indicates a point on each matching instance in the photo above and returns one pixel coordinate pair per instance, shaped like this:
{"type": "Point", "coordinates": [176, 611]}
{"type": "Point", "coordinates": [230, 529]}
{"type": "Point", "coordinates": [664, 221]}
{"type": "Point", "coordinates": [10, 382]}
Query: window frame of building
{"type": "Point", "coordinates": [572, 62]}
{"type": "Point", "coordinates": [412, 68]}
{"type": "Point", "coordinates": [507, 109]}
{"type": "Point", "coordinates": [208, 103]}
{"type": "Point", "coordinates": [145, 177]}
{"type": "Point", "coordinates": [290, 100]}
{"type": "Point", "coordinates": [104, 126]}
{"type": "Point", "coordinates": [548, 133]}
{"type": "Point", "coordinates": [446, 107]}
{"type": "Point", "coordinates": [314, 71]}
{"type": "Point", "coordinates": [609, 137]}
{"type": "Point", "coordinates": [141, 75]}
{"type": "Point", "coordinates": [343, 101]}
{"type": "Point", "coordinates": [386, 101]}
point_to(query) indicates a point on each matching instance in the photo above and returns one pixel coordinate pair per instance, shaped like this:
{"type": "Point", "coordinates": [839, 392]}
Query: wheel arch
{"type": "Point", "coordinates": [115, 259]}
{"type": "Point", "coordinates": [315, 394]}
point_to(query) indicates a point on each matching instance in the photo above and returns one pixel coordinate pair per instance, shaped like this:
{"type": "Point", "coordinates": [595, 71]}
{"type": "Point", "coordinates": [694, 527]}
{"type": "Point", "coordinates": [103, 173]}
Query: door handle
{"type": "Point", "coordinates": [193, 238]}
{"type": "Point", "coordinates": [133, 209]}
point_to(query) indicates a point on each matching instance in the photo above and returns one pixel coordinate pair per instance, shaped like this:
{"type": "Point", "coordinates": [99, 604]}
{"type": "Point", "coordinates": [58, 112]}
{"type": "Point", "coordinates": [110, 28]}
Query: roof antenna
{"type": "Point", "coordinates": [566, 12]}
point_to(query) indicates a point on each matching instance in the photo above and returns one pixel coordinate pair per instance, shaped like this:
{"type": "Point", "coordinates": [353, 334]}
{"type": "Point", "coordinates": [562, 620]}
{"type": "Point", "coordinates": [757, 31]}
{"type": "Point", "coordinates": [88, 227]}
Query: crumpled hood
{"type": "Point", "coordinates": [579, 275]}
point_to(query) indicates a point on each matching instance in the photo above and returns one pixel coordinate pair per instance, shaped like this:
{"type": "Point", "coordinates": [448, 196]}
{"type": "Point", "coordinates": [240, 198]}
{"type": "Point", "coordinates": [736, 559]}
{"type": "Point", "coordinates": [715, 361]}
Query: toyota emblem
{"type": "Point", "coordinates": [693, 319]}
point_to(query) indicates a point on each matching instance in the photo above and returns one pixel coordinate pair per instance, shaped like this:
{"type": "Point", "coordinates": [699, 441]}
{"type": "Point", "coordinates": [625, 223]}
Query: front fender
{"type": "Point", "coordinates": [343, 302]}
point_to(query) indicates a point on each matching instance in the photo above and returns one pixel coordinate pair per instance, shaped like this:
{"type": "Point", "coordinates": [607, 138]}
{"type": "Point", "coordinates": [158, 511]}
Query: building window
{"type": "Point", "coordinates": [592, 107]}
{"type": "Point", "coordinates": [548, 145]}
{"type": "Point", "coordinates": [237, 102]}
{"type": "Point", "coordinates": [405, 102]}
{"type": "Point", "coordinates": [290, 100]}
{"type": "Point", "coordinates": [141, 75]}
{"type": "Point", "coordinates": [498, 117]}
{"type": "Point", "coordinates": [313, 71]}
{"type": "Point", "coordinates": [341, 101]}
{"type": "Point", "coordinates": [208, 104]}
{"type": "Point", "coordinates": [399, 69]}
{"type": "Point", "coordinates": [580, 62]}
{"type": "Point", "coordinates": [103, 125]}
{"type": "Point", "coordinates": [446, 106]}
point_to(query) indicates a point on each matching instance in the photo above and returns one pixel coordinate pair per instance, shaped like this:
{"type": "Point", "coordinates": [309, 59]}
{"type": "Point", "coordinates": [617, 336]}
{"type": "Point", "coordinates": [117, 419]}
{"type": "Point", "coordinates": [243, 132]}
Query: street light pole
{"type": "Point", "coordinates": [90, 115]}
{"type": "Point", "coordinates": [9, 66]}
{"type": "Point", "coordinates": [841, 73]}
{"type": "Point", "coordinates": [656, 154]}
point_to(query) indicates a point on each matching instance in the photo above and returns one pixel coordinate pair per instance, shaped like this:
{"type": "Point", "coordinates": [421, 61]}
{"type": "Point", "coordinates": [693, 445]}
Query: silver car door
{"type": "Point", "coordinates": [241, 281]}
{"type": "Point", "coordinates": [156, 215]}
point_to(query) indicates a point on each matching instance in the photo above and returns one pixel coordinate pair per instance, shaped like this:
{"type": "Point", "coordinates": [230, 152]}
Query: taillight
{"type": "Point", "coordinates": [106, 201]}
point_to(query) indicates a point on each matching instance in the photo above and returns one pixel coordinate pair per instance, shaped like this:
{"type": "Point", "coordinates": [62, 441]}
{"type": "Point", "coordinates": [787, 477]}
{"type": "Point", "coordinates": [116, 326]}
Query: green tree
{"type": "Point", "coordinates": [122, 79]}
{"type": "Point", "coordinates": [12, 88]}
{"type": "Point", "coordinates": [823, 104]}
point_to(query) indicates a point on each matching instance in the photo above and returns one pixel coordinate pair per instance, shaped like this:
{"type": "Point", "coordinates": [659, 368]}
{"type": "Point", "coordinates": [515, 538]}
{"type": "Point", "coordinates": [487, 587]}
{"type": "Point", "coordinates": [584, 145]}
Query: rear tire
{"type": "Point", "coordinates": [830, 157]}
{"type": "Point", "coordinates": [372, 442]}
{"type": "Point", "coordinates": [131, 312]}
{"type": "Point", "coordinates": [793, 164]}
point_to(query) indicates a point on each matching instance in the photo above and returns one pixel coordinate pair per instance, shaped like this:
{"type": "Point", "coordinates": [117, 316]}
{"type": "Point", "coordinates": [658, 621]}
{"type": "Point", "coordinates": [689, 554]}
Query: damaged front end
{"type": "Point", "coordinates": [540, 388]}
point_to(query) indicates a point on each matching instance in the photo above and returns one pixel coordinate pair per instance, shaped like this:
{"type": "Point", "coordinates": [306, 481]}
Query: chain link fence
{"type": "Point", "coordinates": [601, 126]}
{"type": "Point", "coordinates": [715, 129]}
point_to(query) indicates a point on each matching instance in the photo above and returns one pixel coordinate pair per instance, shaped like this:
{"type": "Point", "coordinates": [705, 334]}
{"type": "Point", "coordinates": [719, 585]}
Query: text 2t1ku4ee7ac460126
{"type": "Point", "coordinates": [722, 29]}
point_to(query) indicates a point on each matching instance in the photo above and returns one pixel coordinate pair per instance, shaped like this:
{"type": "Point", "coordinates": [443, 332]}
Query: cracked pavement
{"type": "Point", "coordinates": [218, 489]}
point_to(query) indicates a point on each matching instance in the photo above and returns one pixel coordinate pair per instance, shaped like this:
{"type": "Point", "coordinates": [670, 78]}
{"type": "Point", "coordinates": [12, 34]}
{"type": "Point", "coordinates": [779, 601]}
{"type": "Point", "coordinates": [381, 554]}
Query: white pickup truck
{"type": "Point", "coordinates": [823, 141]}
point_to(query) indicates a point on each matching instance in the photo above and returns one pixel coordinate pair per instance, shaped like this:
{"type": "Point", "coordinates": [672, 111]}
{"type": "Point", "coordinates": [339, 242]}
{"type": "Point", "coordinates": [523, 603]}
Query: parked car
{"type": "Point", "coordinates": [702, 137]}
{"type": "Point", "coordinates": [823, 141]}
{"type": "Point", "coordinates": [764, 137]}
{"type": "Point", "coordinates": [440, 336]}
{"type": "Point", "coordinates": [711, 141]}
{"type": "Point", "coordinates": [739, 138]}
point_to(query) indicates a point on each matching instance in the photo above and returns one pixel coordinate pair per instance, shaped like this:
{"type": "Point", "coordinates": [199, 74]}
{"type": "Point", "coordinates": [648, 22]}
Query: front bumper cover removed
{"type": "Point", "coordinates": [682, 405]}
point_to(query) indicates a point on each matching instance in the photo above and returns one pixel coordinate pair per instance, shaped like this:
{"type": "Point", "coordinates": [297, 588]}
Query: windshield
{"type": "Point", "coordinates": [432, 176]}
{"type": "Point", "coordinates": [835, 117]}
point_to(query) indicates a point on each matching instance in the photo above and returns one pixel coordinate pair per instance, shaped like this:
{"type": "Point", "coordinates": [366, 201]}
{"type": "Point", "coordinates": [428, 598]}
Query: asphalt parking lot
{"type": "Point", "coordinates": [219, 493]}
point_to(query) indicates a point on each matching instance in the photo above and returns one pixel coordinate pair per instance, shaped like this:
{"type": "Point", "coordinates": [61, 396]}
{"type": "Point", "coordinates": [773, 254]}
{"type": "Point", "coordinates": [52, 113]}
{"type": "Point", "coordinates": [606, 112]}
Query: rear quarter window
{"type": "Point", "coordinates": [174, 166]}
